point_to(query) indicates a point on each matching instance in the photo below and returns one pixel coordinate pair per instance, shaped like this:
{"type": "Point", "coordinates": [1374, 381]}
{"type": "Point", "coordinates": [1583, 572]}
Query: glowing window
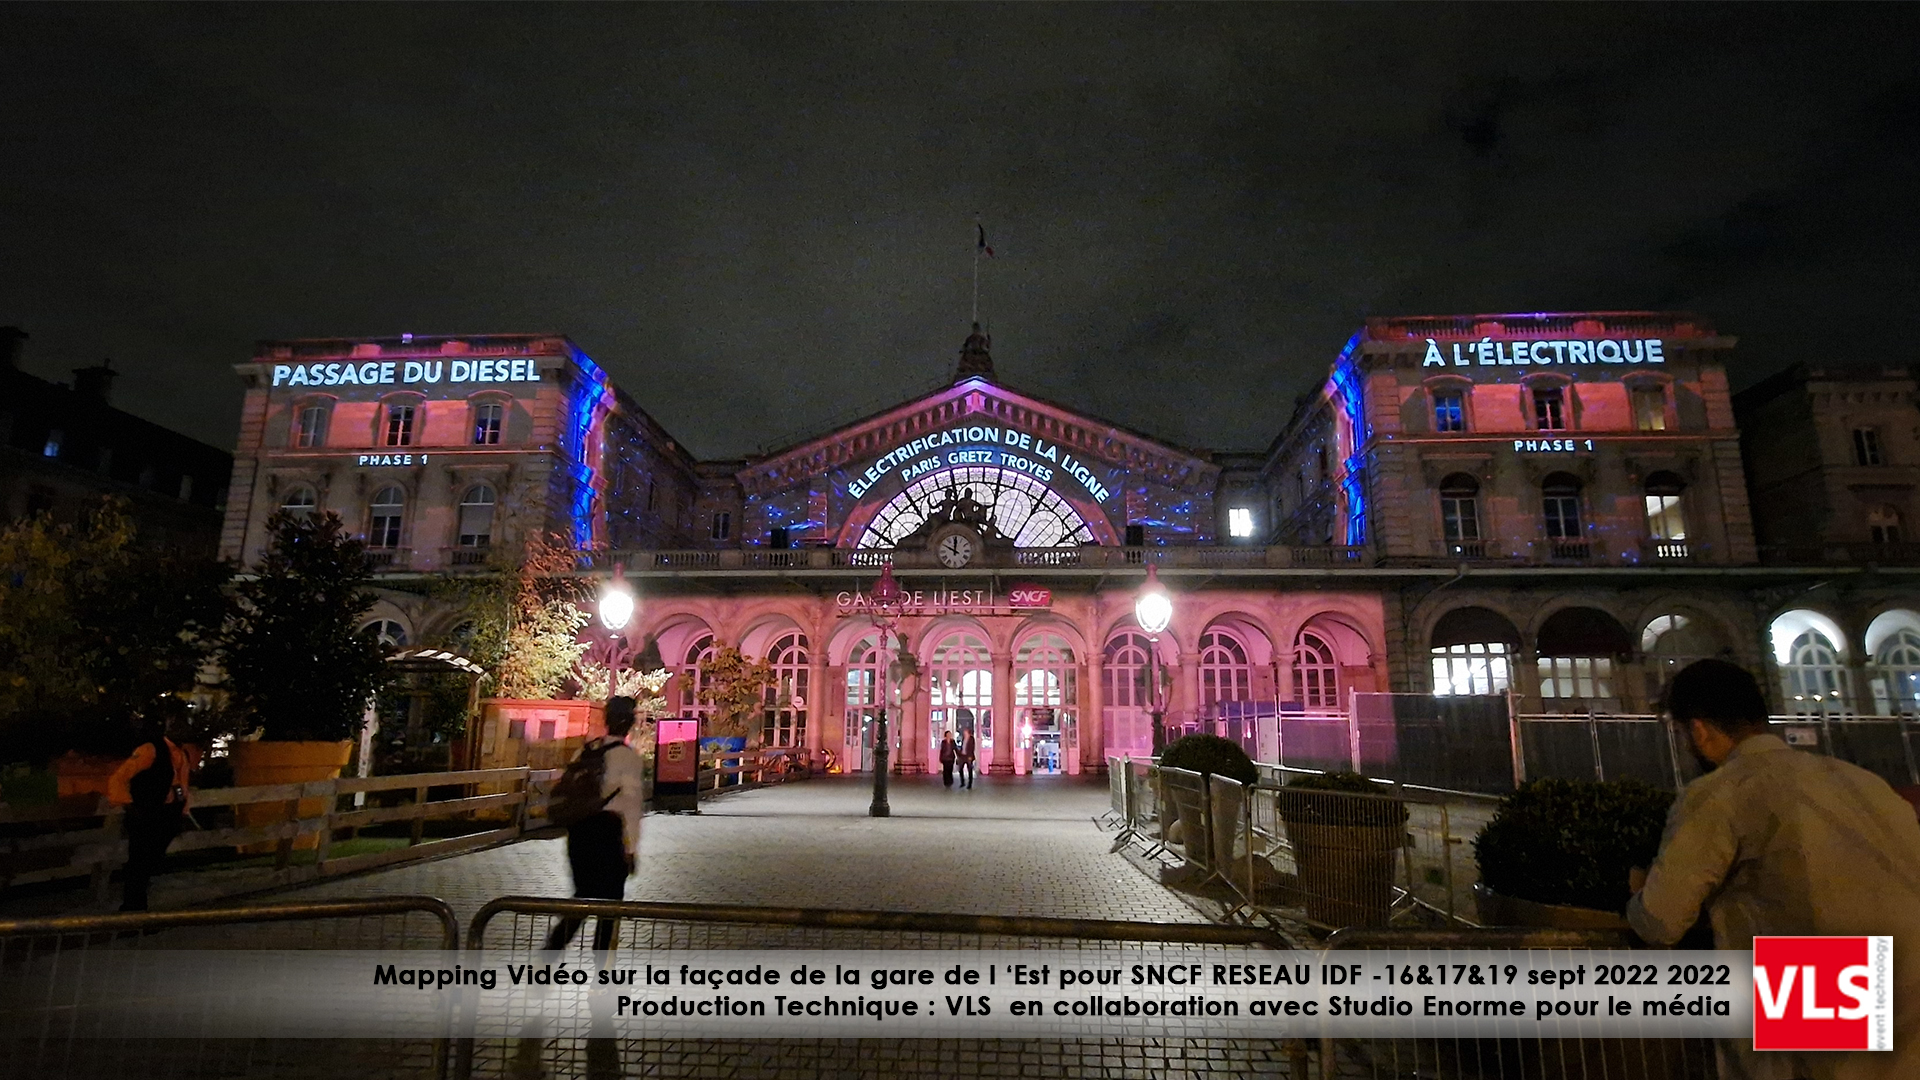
{"type": "Point", "coordinates": [1019, 506]}
{"type": "Point", "coordinates": [1240, 522]}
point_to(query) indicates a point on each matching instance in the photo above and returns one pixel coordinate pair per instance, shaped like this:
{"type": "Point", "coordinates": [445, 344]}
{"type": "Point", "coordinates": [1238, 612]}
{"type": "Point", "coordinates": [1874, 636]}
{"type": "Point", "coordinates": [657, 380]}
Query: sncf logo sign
{"type": "Point", "coordinates": [1823, 993]}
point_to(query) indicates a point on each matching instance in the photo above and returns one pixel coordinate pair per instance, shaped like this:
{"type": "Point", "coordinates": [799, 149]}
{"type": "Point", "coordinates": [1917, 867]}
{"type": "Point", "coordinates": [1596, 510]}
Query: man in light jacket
{"type": "Point", "coordinates": [1777, 841]}
{"type": "Point", "coordinates": [602, 849]}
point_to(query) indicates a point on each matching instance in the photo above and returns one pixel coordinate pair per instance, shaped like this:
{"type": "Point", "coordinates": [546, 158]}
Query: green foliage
{"type": "Point", "coordinates": [1329, 809]}
{"type": "Point", "coordinates": [736, 687]}
{"type": "Point", "coordinates": [521, 622]}
{"type": "Point", "coordinates": [95, 630]}
{"type": "Point", "coordinates": [1210, 755]}
{"type": "Point", "coordinates": [298, 666]}
{"type": "Point", "coordinates": [1572, 842]}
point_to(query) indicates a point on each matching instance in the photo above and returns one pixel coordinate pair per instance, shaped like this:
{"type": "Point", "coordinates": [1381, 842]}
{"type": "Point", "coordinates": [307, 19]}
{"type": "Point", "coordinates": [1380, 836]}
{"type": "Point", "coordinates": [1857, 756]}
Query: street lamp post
{"type": "Point", "coordinates": [616, 609]}
{"type": "Point", "coordinates": [885, 605]}
{"type": "Point", "coordinates": [1153, 610]}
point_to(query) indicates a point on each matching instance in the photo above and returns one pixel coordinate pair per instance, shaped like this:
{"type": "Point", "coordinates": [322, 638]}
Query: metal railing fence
{"type": "Point", "coordinates": [1515, 1058]}
{"type": "Point", "coordinates": [523, 922]}
{"type": "Point", "coordinates": [39, 959]}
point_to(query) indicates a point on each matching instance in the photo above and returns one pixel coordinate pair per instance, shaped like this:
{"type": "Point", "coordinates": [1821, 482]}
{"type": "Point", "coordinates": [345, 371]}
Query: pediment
{"type": "Point", "coordinates": [977, 402]}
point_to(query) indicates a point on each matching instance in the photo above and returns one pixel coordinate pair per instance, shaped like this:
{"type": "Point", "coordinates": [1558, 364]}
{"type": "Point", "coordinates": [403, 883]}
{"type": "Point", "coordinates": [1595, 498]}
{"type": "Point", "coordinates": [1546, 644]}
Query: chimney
{"type": "Point", "coordinates": [12, 342]}
{"type": "Point", "coordinates": [95, 384]}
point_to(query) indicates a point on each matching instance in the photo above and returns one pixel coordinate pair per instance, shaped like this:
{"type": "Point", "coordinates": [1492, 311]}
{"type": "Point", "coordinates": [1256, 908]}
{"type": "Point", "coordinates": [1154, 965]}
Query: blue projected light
{"type": "Point", "coordinates": [582, 412]}
{"type": "Point", "coordinates": [1350, 389]}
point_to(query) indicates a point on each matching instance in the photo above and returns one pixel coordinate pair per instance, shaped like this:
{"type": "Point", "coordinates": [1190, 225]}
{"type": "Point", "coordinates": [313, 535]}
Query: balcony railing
{"type": "Point", "coordinates": [1897, 554]}
{"type": "Point", "coordinates": [1661, 550]}
{"type": "Point", "coordinates": [389, 558]}
{"type": "Point", "coordinates": [1571, 551]}
{"type": "Point", "coordinates": [1463, 549]}
{"type": "Point", "coordinates": [1226, 557]}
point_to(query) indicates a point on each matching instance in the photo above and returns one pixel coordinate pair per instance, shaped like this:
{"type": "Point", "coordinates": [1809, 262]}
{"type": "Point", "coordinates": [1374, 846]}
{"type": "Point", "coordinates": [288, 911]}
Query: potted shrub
{"type": "Point", "coordinates": [299, 670]}
{"type": "Point", "coordinates": [1557, 852]}
{"type": "Point", "coordinates": [1345, 838]}
{"type": "Point", "coordinates": [1207, 755]}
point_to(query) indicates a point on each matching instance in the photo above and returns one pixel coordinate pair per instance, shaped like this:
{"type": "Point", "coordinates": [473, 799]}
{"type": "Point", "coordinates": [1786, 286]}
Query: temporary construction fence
{"type": "Point", "coordinates": [519, 923]}
{"type": "Point", "coordinates": [42, 1033]}
{"type": "Point", "coordinates": [1618, 746]}
{"type": "Point", "coordinates": [1521, 1056]}
{"type": "Point", "coordinates": [1325, 859]}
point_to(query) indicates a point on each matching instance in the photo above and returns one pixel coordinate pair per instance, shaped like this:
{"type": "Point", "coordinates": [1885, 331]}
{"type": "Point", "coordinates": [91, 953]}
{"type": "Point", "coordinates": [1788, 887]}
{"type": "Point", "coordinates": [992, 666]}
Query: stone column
{"type": "Point", "coordinates": [1187, 701]}
{"type": "Point", "coordinates": [819, 697]}
{"type": "Point", "coordinates": [1093, 728]}
{"type": "Point", "coordinates": [1003, 738]}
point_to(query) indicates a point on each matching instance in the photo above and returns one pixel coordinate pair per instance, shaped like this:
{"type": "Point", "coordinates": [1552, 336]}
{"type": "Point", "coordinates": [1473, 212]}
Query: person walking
{"type": "Point", "coordinates": [602, 847]}
{"type": "Point", "coordinates": [948, 754]}
{"type": "Point", "coordinates": [1778, 841]}
{"type": "Point", "coordinates": [966, 752]}
{"type": "Point", "coordinates": [152, 785]}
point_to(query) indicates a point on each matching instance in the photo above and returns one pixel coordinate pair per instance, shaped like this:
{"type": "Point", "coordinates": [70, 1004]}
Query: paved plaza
{"type": "Point", "coordinates": [1009, 846]}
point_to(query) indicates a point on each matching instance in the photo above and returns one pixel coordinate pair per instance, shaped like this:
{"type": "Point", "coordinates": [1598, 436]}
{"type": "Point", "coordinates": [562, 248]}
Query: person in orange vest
{"type": "Point", "coordinates": [152, 786]}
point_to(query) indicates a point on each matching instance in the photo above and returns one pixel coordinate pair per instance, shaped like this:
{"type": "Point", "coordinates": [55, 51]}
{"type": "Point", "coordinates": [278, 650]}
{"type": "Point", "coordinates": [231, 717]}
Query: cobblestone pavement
{"type": "Point", "coordinates": [1009, 846]}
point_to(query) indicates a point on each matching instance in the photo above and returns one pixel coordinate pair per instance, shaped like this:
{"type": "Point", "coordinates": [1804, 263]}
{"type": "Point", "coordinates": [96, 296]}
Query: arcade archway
{"type": "Point", "coordinates": [1019, 506]}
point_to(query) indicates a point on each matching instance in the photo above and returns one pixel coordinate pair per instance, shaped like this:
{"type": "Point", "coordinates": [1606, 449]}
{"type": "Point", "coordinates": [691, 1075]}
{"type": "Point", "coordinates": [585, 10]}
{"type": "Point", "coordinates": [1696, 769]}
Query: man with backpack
{"type": "Point", "coordinates": [152, 786]}
{"type": "Point", "coordinates": [599, 799]}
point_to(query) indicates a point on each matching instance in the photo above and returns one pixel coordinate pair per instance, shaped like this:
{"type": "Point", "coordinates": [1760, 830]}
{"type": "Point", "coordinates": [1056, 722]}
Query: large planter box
{"type": "Point", "coordinates": [1345, 847]}
{"type": "Point", "coordinates": [76, 774]}
{"type": "Point", "coordinates": [1496, 909]}
{"type": "Point", "coordinates": [258, 763]}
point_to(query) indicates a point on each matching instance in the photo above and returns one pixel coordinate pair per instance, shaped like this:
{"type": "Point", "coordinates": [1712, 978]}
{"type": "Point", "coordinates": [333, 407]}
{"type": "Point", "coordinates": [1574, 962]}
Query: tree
{"type": "Point", "coordinates": [736, 687]}
{"type": "Point", "coordinates": [298, 666]}
{"type": "Point", "coordinates": [95, 630]}
{"type": "Point", "coordinates": [522, 621]}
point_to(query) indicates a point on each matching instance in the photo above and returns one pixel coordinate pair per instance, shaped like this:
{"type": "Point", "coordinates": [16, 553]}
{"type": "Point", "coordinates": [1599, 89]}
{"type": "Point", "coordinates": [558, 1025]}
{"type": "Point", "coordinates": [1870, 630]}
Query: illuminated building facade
{"type": "Point", "coordinates": [1548, 507]}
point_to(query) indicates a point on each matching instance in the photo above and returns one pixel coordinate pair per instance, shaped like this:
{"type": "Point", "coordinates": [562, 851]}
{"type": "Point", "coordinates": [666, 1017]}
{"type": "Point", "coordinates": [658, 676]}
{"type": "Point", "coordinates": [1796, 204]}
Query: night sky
{"type": "Point", "coordinates": [760, 220]}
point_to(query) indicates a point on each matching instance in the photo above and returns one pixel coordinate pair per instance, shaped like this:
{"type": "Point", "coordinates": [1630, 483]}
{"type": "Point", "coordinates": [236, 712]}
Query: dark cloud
{"type": "Point", "coordinates": [760, 218]}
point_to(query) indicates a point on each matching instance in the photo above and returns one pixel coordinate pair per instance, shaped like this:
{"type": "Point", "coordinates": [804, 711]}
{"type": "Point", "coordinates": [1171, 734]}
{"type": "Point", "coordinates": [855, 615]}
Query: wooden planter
{"type": "Point", "coordinates": [257, 763]}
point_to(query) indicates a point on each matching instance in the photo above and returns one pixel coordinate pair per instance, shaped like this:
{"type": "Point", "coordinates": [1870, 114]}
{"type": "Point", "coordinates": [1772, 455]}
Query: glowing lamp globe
{"type": "Point", "coordinates": [1153, 608]}
{"type": "Point", "coordinates": [886, 591]}
{"type": "Point", "coordinates": [616, 602]}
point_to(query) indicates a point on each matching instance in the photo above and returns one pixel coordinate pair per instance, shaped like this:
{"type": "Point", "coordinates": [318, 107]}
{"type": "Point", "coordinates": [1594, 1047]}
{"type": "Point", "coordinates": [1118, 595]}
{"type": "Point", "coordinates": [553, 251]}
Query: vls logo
{"type": "Point", "coordinates": [1823, 993]}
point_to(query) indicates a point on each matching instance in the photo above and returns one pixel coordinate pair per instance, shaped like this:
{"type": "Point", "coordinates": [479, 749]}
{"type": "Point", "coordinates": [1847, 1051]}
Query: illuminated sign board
{"type": "Point", "coordinates": [936, 601]}
{"type": "Point", "coordinates": [1490, 353]}
{"type": "Point", "coordinates": [407, 373]}
{"type": "Point", "coordinates": [978, 445]}
{"type": "Point", "coordinates": [1551, 446]}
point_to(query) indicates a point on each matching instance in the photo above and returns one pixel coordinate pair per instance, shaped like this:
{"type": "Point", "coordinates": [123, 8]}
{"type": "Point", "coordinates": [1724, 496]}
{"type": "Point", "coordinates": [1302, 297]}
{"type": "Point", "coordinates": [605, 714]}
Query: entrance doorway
{"type": "Point", "coordinates": [960, 695]}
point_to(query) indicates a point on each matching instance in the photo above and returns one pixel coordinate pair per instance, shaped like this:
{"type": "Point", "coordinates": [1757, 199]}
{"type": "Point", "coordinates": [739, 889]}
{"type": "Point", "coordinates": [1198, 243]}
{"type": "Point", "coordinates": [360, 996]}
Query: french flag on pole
{"type": "Point", "coordinates": [982, 247]}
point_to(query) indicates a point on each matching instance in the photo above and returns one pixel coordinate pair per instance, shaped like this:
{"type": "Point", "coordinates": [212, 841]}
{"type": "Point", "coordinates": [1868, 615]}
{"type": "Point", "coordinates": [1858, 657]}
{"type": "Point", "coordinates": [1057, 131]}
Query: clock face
{"type": "Point", "coordinates": [955, 551]}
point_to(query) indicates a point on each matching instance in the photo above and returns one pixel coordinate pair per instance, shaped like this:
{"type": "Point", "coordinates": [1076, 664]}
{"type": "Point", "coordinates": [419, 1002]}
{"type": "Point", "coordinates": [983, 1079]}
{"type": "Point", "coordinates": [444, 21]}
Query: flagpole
{"type": "Point", "coordinates": [976, 271]}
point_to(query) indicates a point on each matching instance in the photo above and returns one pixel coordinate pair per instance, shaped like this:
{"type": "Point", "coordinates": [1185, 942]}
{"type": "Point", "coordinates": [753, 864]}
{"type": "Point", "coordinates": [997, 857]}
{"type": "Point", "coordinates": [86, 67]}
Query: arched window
{"type": "Point", "coordinates": [1225, 674]}
{"type": "Point", "coordinates": [476, 519]}
{"type": "Point", "coordinates": [1460, 516]}
{"type": "Point", "coordinates": [384, 516]}
{"type": "Point", "coordinates": [1560, 508]}
{"type": "Point", "coordinates": [1472, 648]}
{"type": "Point", "coordinates": [390, 633]}
{"type": "Point", "coordinates": [1316, 672]}
{"type": "Point", "coordinates": [1666, 517]}
{"type": "Point", "coordinates": [1576, 649]}
{"type": "Point", "coordinates": [310, 426]}
{"type": "Point", "coordinates": [1125, 689]}
{"type": "Point", "coordinates": [300, 502]}
{"type": "Point", "coordinates": [786, 696]}
{"type": "Point", "coordinates": [1899, 665]}
{"type": "Point", "coordinates": [960, 686]}
{"type": "Point", "coordinates": [1815, 678]}
{"type": "Point", "coordinates": [1046, 693]}
{"type": "Point", "coordinates": [1883, 525]}
{"type": "Point", "coordinates": [866, 663]}
{"type": "Point", "coordinates": [693, 679]}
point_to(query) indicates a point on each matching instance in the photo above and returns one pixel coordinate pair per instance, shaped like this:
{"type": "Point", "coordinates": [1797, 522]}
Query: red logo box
{"type": "Point", "coordinates": [1823, 993]}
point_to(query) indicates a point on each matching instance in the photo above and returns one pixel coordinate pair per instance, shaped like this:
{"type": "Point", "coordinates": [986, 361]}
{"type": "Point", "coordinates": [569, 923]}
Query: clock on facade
{"type": "Point", "coordinates": [955, 550]}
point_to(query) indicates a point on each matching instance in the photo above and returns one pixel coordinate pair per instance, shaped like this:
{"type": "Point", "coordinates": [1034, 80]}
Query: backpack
{"type": "Point", "coordinates": [576, 795]}
{"type": "Point", "coordinates": [153, 787]}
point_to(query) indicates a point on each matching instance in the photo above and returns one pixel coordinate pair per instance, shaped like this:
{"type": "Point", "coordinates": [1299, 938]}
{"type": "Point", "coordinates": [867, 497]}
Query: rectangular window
{"type": "Point", "coordinates": [1649, 409]}
{"type": "Point", "coordinates": [1449, 411]}
{"type": "Point", "coordinates": [52, 447]}
{"type": "Point", "coordinates": [1460, 522]}
{"type": "Point", "coordinates": [312, 427]}
{"type": "Point", "coordinates": [186, 488]}
{"type": "Point", "coordinates": [1866, 447]}
{"type": "Point", "coordinates": [385, 531]}
{"type": "Point", "coordinates": [400, 425]}
{"type": "Point", "coordinates": [722, 526]}
{"type": "Point", "coordinates": [1563, 517]}
{"type": "Point", "coordinates": [516, 729]}
{"type": "Point", "coordinates": [1576, 677]}
{"type": "Point", "coordinates": [546, 730]}
{"type": "Point", "coordinates": [1550, 409]}
{"type": "Point", "coordinates": [1240, 522]}
{"type": "Point", "coordinates": [486, 424]}
{"type": "Point", "coordinates": [1477, 668]}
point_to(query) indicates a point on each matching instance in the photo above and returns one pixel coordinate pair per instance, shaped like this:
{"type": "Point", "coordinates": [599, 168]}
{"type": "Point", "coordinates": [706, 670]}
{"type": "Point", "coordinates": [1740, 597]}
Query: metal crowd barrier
{"type": "Point", "coordinates": [1187, 811]}
{"type": "Point", "coordinates": [38, 956]}
{"type": "Point", "coordinates": [1118, 775]}
{"type": "Point", "coordinates": [517, 922]}
{"type": "Point", "coordinates": [1515, 1058]}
